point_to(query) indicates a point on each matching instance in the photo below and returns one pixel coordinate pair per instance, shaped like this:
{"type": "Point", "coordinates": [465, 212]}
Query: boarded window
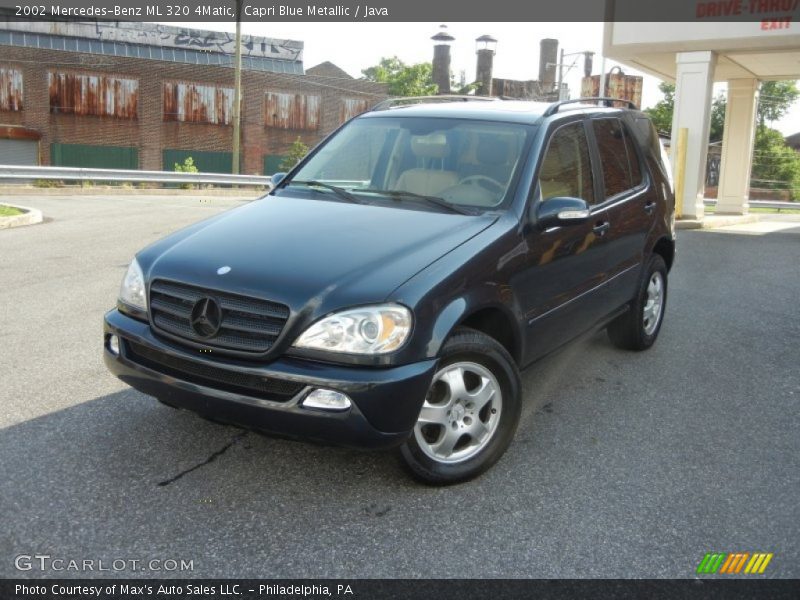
{"type": "Point", "coordinates": [192, 103]}
{"type": "Point", "coordinates": [96, 95]}
{"type": "Point", "coordinates": [352, 107]}
{"type": "Point", "coordinates": [10, 89]}
{"type": "Point", "coordinates": [94, 157]}
{"type": "Point", "coordinates": [206, 161]}
{"type": "Point", "coordinates": [272, 163]}
{"type": "Point", "coordinates": [292, 111]}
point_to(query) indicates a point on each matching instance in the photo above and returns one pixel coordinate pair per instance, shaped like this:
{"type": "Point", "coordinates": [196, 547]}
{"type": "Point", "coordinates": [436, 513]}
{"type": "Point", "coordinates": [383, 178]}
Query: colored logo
{"type": "Point", "coordinates": [734, 563]}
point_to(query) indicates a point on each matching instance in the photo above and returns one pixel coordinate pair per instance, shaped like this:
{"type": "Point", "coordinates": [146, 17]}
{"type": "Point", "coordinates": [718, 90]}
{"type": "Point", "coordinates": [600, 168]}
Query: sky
{"type": "Point", "coordinates": [356, 46]}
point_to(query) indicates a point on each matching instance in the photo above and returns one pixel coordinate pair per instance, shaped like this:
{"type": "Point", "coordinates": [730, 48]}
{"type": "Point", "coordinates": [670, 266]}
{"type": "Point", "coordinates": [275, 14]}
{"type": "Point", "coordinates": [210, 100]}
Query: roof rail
{"type": "Point", "coordinates": [553, 108]}
{"type": "Point", "coordinates": [407, 100]}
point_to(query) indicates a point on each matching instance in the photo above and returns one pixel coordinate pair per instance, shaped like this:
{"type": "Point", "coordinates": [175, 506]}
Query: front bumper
{"type": "Point", "coordinates": [385, 401]}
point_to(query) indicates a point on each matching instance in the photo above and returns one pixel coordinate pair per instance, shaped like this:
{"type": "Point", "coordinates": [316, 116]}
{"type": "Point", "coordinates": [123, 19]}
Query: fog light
{"type": "Point", "coordinates": [113, 345]}
{"type": "Point", "coordinates": [327, 400]}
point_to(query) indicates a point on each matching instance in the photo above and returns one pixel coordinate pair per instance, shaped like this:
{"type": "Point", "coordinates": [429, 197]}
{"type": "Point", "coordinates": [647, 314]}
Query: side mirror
{"type": "Point", "coordinates": [277, 178]}
{"type": "Point", "coordinates": [562, 210]}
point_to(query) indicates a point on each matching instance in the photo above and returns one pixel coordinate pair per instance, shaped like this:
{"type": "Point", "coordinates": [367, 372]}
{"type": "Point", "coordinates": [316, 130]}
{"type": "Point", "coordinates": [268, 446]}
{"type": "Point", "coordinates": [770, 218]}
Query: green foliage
{"type": "Point", "coordinates": [188, 166]}
{"type": "Point", "coordinates": [403, 79]}
{"type": "Point", "coordinates": [9, 211]}
{"type": "Point", "coordinates": [296, 153]}
{"type": "Point", "coordinates": [775, 99]}
{"type": "Point", "coordinates": [775, 165]}
{"type": "Point", "coordinates": [717, 125]}
{"type": "Point", "coordinates": [47, 183]}
{"type": "Point", "coordinates": [661, 113]}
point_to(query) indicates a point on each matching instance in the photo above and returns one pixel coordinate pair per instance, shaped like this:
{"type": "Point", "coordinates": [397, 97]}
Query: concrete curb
{"type": "Point", "coordinates": [123, 191]}
{"type": "Point", "coordinates": [31, 216]}
{"type": "Point", "coordinates": [715, 221]}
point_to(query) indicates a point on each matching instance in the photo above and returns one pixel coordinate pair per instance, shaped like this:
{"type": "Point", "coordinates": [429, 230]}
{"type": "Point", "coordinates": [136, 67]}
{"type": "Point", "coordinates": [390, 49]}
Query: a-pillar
{"type": "Point", "coordinates": [694, 79]}
{"type": "Point", "coordinates": [737, 147]}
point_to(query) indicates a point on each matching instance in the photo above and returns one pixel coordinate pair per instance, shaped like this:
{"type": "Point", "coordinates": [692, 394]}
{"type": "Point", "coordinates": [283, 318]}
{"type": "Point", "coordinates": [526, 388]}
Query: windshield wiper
{"type": "Point", "coordinates": [340, 192]}
{"type": "Point", "coordinates": [401, 194]}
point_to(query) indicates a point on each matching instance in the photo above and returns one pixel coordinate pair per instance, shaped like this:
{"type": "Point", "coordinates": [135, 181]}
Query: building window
{"type": "Point", "coordinates": [10, 89]}
{"type": "Point", "coordinates": [57, 42]}
{"type": "Point", "coordinates": [95, 95]}
{"type": "Point", "coordinates": [193, 103]}
{"type": "Point", "coordinates": [352, 107]}
{"type": "Point", "coordinates": [292, 111]}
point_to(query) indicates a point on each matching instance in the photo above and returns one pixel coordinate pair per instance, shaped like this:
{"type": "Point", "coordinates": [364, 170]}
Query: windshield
{"type": "Point", "coordinates": [461, 162]}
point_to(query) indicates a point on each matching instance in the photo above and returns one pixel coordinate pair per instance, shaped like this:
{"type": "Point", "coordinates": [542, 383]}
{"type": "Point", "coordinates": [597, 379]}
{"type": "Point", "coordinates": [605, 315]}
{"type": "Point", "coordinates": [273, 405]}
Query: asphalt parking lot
{"type": "Point", "coordinates": [624, 465]}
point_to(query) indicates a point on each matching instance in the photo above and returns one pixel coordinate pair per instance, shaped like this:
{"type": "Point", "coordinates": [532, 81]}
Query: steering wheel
{"type": "Point", "coordinates": [477, 179]}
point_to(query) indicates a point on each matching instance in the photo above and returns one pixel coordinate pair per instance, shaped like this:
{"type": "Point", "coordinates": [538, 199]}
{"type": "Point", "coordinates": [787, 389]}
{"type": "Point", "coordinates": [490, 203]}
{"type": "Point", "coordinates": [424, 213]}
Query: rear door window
{"type": "Point", "coordinates": [622, 170]}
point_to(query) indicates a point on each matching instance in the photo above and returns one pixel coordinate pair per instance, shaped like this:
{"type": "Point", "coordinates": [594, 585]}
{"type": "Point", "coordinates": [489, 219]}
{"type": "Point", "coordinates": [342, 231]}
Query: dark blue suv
{"type": "Point", "coordinates": [390, 288]}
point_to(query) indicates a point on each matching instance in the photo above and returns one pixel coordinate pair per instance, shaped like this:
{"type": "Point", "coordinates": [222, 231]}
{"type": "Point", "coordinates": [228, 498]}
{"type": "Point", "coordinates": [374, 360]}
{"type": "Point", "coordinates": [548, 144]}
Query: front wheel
{"type": "Point", "coordinates": [638, 328]}
{"type": "Point", "coordinates": [470, 412]}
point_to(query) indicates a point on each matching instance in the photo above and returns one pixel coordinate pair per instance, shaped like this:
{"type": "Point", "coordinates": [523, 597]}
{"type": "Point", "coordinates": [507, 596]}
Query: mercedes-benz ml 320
{"type": "Point", "coordinates": [390, 288]}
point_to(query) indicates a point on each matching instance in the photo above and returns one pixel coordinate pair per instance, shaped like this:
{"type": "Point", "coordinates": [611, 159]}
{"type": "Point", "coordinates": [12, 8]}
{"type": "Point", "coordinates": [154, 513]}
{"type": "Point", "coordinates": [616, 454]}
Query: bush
{"type": "Point", "coordinates": [296, 153]}
{"type": "Point", "coordinates": [187, 167]}
{"type": "Point", "coordinates": [47, 183]}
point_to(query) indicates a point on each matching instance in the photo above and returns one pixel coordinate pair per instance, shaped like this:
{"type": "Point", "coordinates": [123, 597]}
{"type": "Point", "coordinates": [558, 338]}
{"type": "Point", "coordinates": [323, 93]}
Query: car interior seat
{"type": "Point", "coordinates": [430, 177]}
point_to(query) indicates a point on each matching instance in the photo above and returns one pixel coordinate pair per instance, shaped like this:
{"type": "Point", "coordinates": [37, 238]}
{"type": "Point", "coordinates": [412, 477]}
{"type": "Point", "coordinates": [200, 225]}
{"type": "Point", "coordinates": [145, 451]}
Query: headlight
{"type": "Point", "coordinates": [132, 292]}
{"type": "Point", "coordinates": [366, 330]}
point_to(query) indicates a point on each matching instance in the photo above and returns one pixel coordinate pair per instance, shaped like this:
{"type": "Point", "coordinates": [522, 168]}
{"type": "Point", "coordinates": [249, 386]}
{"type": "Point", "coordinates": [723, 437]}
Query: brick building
{"type": "Point", "coordinates": [144, 96]}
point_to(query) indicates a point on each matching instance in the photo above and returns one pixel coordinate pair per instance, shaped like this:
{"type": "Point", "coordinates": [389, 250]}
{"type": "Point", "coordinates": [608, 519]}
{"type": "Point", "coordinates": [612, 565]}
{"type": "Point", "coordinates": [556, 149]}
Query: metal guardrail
{"type": "Point", "coordinates": [774, 204]}
{"type": "Point", "coordinates": [21, 173]}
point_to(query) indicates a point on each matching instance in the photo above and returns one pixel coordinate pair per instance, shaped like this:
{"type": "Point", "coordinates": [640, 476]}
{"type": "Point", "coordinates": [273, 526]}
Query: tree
{"type": "Point", "coordinates": [661, 113]}
{"type": "Point", "coordinates": [776, 166]}
{"type": "Point", "coordinates": [403, 79]}
{"type": "Point", "coordinates": [296, 153]}
{"type": "Point", "coordinates": [775, 99]}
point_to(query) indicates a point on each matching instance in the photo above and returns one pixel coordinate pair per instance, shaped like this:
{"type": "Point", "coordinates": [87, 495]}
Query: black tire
{"type": "Point", "coordinates": [629, 331]}
{"type": "Point", "coordinates": [468, 346]}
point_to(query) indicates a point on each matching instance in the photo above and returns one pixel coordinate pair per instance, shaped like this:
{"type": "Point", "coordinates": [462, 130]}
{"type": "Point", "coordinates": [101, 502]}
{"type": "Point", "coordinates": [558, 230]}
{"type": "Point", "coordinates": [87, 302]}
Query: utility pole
{"type": "Point", "coordinates": [561, 76]}
{"type": "Point", "coordinates": [601, 90]}
{"type": "Point", "coordinates": [237, 89]}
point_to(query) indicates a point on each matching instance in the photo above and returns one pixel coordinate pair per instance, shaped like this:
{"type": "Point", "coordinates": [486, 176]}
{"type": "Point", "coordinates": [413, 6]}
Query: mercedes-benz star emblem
{"type": "Point", "coordinates": [223, 270]}
{"type": "Point", "coordinates": [206, 317]}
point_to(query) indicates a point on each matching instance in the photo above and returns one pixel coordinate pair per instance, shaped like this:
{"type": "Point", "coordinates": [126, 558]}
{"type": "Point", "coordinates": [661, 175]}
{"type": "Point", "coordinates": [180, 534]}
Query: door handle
{"type": "Point", "coordinates": [601, 228]}
{"type": "Point", "coordinates": [650, 207]}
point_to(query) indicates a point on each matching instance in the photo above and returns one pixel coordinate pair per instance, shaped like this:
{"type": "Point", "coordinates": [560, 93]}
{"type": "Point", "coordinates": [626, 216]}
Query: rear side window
{"type": "Point", "coordinates": [618, 157]}
{"type": "Point", "coordinates": [566, 168]}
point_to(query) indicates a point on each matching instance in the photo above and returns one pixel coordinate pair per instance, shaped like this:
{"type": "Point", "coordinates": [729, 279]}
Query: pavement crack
{"type": "Point", "coordinates": [211, 458]}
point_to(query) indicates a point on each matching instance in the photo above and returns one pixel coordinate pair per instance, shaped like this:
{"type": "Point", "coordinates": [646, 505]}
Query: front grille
{"type": "Point", "coordinates": [248, 324]}
{"type": "Point", "coordinates": [268, 388]}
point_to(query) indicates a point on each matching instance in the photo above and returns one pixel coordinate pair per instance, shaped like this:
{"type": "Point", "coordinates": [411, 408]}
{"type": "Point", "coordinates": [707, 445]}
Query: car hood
{"type": "Point", "coordinates": [317, 255]}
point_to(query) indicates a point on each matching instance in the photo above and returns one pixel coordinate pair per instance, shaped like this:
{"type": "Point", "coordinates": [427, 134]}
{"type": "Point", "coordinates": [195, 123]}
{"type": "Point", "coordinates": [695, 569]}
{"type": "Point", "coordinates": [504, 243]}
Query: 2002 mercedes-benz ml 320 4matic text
{"type": "Point", "coordinates": [389, 289]}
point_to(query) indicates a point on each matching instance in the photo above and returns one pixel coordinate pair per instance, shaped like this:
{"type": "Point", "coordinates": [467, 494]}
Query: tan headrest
{"type": "Point", "coordinates": [433, 145]}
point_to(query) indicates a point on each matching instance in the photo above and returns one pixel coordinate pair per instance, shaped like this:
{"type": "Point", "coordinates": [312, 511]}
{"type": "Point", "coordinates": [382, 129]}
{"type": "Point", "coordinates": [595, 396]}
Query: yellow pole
{"type": "Point", "coordinates": [680, 170]}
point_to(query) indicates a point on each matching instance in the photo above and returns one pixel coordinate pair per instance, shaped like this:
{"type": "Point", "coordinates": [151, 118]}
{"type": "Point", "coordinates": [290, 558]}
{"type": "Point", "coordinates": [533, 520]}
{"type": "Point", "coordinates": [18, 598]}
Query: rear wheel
{"type": "Point", "coordinates": [638, 328]}
{"type": "Point", "coordinates": [470, 412]}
